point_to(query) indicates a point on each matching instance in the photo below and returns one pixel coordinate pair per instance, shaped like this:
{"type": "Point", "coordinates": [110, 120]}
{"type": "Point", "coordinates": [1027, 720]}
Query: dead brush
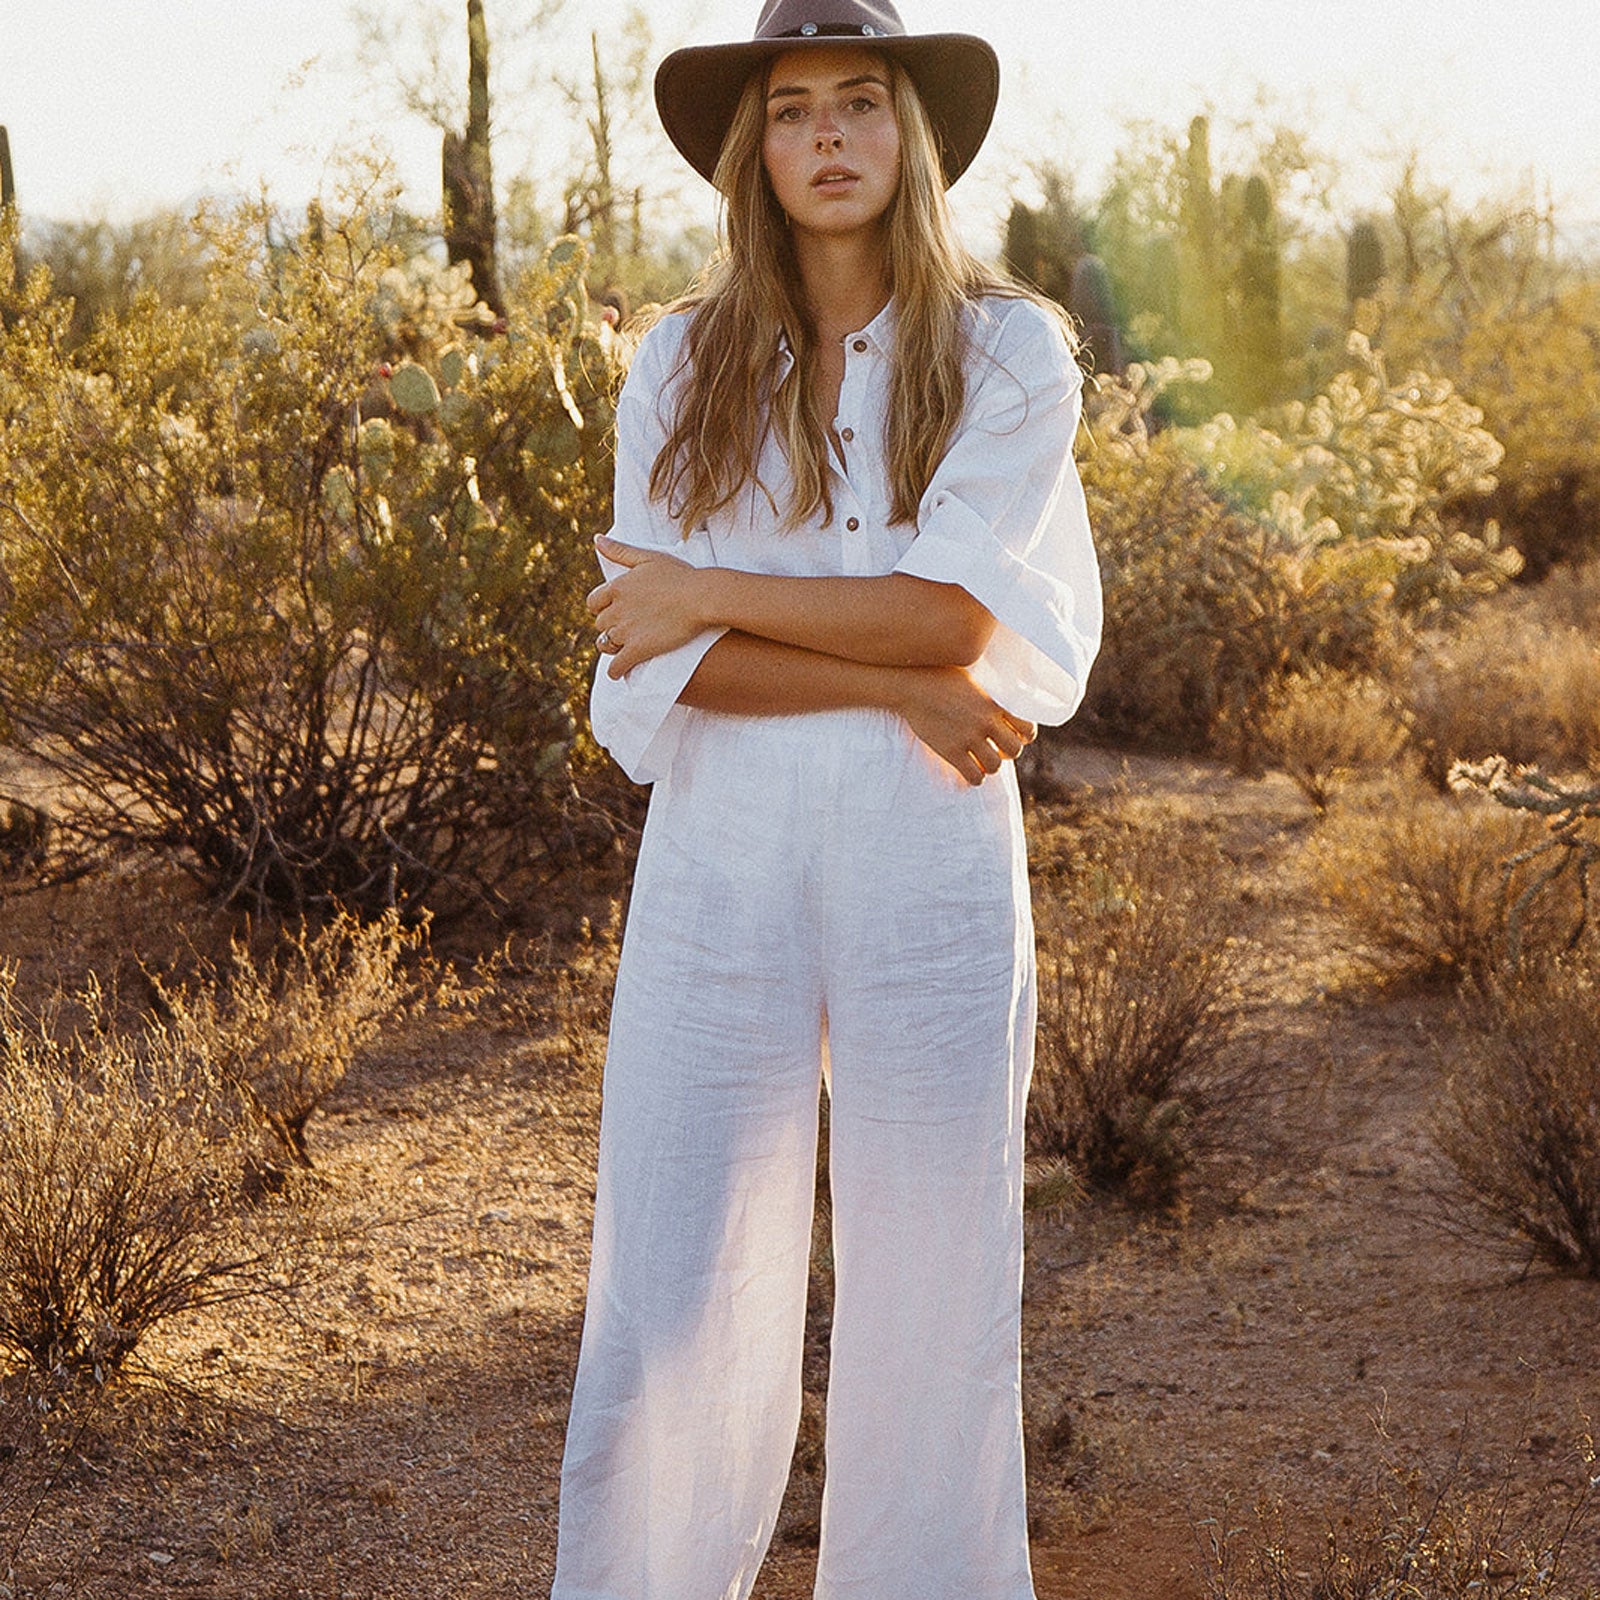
{"type": "Point", "coordinates": [1323, 727]}
{"type": "Point", "coordinates": [283, 1029]}
{"type": "Point", "coordinates": [1519, 1121]}
{"type": "Point", "coordinates": [1409, 1540]}
{"type": "Point", "coordinates": [1423, 880]}
{"type": "Point", "coordinates": [1512, 684]}
{"type": "Point", "coordinates": [1140, 996]}
{"type": "Point", "coordinates": [123, 1159]}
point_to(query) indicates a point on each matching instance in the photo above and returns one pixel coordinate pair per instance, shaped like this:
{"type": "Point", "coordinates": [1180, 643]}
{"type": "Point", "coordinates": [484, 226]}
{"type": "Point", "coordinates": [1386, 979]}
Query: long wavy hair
{"type": "Point", "coordinates": [751, 293]}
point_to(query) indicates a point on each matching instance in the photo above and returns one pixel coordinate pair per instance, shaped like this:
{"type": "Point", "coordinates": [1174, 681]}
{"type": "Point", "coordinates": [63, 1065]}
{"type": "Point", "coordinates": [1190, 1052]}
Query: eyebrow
{"type": "Point", "coordinates": [845, 83]}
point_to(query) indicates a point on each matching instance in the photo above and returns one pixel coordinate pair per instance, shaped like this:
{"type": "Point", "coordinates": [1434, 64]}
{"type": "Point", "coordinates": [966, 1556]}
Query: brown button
{"type": "Point", "coordinates": [848, 435]}
{"type": "Point", "coordinates": [860, 347]}
{"type": "Point", "coordinates": [853, 524]}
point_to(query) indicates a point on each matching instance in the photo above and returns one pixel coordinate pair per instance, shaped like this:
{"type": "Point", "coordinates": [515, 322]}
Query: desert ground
{"type": "Point", "coordinates": [1267, 1360]}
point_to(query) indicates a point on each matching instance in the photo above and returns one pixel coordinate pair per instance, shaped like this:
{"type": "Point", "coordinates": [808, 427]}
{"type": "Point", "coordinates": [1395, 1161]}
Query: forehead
{"type": "Point", "coordinates": [823, 66]}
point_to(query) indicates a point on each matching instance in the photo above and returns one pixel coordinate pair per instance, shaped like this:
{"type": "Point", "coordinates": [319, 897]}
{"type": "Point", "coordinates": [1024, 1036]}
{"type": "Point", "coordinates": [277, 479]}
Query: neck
{"type": "Point", "coordinates": [845, 279]}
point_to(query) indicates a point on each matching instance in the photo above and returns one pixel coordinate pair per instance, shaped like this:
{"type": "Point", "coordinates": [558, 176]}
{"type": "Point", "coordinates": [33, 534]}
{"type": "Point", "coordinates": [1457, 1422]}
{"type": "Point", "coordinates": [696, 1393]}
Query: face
{"type": "Point", "coordinates": [832, 145]}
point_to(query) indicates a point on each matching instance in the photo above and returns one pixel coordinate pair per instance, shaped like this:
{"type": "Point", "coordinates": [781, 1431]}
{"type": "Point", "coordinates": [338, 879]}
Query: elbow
{"type": "Point", "coordinates": [963, 628]}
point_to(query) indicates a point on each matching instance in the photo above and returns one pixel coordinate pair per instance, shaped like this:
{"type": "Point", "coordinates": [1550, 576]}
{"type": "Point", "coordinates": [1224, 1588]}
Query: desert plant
{"type": "Point", "coordinates": [1411, 1540]}
{"type": "Point", "coordinates": [1139, 997]}
{"type": "Point", "coordinates": [1520, 1122]}
{"type": "Point", "coordinates": [123, 1160]}
{"type": "Point", "coordinates": [1423, 879]}
{"type": "Point", "coordinates": [1563, 854]}
{"type": "Point", "coordinates": [1323, 727]}
{"type": "Point", "coordinates": [1517, 680]}
{"type": "Point", "coordinates": [294, 580]}
{"type": "Point", "coordinates": [282, 1030]}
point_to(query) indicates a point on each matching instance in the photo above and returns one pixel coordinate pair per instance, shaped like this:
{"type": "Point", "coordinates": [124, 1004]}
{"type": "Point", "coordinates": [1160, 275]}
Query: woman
{"type": "Point", "coordinates": [850, 570]}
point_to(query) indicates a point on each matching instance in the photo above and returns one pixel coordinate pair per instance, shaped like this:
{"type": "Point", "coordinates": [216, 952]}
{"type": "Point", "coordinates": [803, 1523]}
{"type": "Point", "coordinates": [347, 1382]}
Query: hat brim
{"type": "Point", "coordinates": [956, 74]}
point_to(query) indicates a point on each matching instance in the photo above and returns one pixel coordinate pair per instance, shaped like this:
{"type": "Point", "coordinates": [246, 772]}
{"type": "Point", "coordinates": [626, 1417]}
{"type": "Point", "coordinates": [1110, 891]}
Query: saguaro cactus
{"type": "Point", "coordinates": [1363, 267]}
{"type": "Point", "coordinates": [1260, 280]}
{"type": "Point", "coordinates": [1199, 280]}
{"type": "Point", "coordinates": [469, 216]}
{"type": "Point", "coordinates": [8, 187]}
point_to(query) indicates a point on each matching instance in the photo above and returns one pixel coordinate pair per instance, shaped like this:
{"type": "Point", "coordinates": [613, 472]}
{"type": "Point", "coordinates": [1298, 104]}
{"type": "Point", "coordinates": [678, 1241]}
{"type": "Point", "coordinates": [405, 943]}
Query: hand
{"type": "Point", "coordinates": [950, 714]}
{"type": "Point", "coordinates": [647, 610]}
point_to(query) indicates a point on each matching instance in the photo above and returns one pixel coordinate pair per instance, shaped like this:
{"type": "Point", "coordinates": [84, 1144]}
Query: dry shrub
{"type": "Point", "coordinates": [1139, 991]}
{"type": "Point", "coordinates": [123, 1161]}
{"type": "Point", "coordinates": [283, 1030]}
{"type": "Point", "coordinates": [1412, 1541]}
{"type": "Point", "coordinates": [1423, 879]}
{"type": "Point", "coordinates": [1514, 682]}
{"type": "Point", "coordinates": [1520, 1123]}
{"type": "Point", "coordinates": [1323, 727]}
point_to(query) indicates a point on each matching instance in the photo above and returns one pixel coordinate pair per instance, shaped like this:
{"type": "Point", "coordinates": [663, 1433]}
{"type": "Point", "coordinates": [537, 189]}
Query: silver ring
{"type": "Point", "coordinates": [604, 639]}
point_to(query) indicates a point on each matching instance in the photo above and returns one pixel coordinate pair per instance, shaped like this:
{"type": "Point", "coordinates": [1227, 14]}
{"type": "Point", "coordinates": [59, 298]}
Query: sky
{"type": "Point", "coordinates": [116, 108]}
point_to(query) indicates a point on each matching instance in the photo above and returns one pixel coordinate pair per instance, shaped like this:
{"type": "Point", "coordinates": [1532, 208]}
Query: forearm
{"type": "Point", "coordinates": [762, 677]}
{"type": "Point", "coordinates": [894, 621]}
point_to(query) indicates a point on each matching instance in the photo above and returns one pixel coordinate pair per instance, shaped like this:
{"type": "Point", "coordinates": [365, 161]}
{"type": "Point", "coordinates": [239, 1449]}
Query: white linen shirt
{"type": "Point", "coordinates": [1003, 517]}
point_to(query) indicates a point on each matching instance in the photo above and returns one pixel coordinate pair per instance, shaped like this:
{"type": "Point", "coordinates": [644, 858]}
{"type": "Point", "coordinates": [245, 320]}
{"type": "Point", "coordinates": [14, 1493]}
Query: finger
{"type": "Point", "coordinates": [1027, 731]}
{"type": "Point", "coordinates": [598, 598]}
{"type": "Point", "coordinates": [626, 555]}
{"type": "Point", "coordinates": [988, 756]}
{"type": "Point", "coordinates": [1008, 741]}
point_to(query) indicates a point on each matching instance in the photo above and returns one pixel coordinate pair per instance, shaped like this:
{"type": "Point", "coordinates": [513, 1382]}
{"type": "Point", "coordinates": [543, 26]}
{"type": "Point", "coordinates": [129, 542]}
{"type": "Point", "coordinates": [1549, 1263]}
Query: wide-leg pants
{"type": "Point", "coordinates": [810, 887]}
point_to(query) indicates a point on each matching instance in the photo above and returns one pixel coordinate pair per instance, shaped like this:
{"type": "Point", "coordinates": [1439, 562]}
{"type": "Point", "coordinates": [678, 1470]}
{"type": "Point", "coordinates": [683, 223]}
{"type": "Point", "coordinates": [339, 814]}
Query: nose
{"type": "Point", "coordinates": [829, 137]}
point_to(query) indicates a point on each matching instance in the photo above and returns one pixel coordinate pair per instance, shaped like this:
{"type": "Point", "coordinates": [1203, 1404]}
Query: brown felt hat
{"type": "Point", "coordinates": [956, 74]}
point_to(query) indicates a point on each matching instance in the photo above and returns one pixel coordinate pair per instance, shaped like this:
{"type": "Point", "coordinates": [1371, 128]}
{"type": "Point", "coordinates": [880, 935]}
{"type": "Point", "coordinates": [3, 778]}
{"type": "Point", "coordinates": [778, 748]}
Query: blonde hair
{"type": "Point", "coordinates": [751, 293]}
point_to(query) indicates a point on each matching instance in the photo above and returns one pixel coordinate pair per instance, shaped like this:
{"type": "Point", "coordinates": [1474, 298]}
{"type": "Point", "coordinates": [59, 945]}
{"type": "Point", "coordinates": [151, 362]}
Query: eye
{"type": "Point", "coordinates": [863, 103]}
{"type": "Point", "coordinates": [787, 113]}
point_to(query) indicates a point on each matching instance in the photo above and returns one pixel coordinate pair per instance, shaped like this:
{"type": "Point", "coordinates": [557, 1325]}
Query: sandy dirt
{"type": "Point", "coordinates": [1304, 1325]}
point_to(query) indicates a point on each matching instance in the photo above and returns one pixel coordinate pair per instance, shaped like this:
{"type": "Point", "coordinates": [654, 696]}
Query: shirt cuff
{"type": "Point", "coordinates": [637, 717]}
{"type": "Point", "coordinates": [1035, 665]}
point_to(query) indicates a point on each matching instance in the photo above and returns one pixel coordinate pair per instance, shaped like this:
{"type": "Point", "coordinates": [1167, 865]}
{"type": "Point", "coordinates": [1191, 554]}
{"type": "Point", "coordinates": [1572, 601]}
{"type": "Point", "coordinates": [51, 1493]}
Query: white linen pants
{"type": "Point", "coordinates": [801, 880]}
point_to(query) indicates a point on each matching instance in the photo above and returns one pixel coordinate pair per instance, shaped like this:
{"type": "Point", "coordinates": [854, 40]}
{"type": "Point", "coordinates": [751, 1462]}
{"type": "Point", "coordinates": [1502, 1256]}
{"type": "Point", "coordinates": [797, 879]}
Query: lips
{"type": "Point", "coordinates": [833, 175]}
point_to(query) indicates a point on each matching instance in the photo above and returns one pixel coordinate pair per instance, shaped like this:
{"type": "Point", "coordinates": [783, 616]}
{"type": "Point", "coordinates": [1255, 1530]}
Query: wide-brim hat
{"type": "Point", "coordinates": [956, 74]}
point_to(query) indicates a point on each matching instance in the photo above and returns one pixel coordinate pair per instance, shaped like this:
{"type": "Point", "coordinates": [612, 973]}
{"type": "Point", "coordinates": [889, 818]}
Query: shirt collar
{"type": "Point", "coordinates": [879, 335]}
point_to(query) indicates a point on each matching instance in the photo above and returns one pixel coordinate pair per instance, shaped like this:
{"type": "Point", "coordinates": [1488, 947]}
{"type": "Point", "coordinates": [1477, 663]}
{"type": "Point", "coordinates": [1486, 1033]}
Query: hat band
{"type": "Point", "coordinates": [832, 30]}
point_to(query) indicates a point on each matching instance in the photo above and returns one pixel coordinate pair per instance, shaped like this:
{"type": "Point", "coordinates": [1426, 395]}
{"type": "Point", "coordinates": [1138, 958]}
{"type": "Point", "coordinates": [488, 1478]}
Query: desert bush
{"type": "Point", "coordinates": [123, 1163]}
{"type": "Point", "coordinates": [1428, 883]}
{"type": "Point", "coordinates": [1560, 858]}
{"type": "Point", "coordinates": [1431, 885]}
{"type": "Point", "coordinates": [1509, 683]}
{"type": "Point", "coordinates": [1234, 557]}
{"type": "Point", "coordinates": [1520, 1122]}
{"type": "Point", "coordinates": [1139, 998]}
{"type": "Point", "coordinates": [1412, 1540]}
{"type": "Point", "coordinates": [1323, 727]}
{"type": "Point", "coordinates": [282, 1030]}
{"type": "Point", "coordinates": [294, 579]}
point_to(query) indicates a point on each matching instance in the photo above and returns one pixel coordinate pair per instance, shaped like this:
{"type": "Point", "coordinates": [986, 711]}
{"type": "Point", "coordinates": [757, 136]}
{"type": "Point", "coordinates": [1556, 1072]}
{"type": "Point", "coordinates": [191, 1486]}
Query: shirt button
{"type": "Point", "coordinates": [848, 435]}
{"type": "Point", "coordinates": [860, 347]}
{"type": "Point", "coordinates": [853, 524]}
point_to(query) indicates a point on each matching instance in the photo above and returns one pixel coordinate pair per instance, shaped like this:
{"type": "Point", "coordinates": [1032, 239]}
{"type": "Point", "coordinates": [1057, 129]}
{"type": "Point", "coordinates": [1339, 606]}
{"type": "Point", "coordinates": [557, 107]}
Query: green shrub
{"type": "Point", "coordinates": [294, 579]}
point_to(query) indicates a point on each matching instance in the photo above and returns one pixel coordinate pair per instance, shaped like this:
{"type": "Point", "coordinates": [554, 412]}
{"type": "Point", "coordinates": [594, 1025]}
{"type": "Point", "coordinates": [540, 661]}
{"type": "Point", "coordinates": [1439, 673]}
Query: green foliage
{"type": "Point", "coordinates": [1234, 555]}
{"type": "Point", "coordinates": [319, 636]}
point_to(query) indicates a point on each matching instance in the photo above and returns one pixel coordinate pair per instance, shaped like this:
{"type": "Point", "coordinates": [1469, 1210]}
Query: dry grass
{"type": "Point", "coordinates": [1409, 1540]}
{"type": "Point", "coordinates": [123, 1164]}
{"type": "Point", "coordinates": [1139, 994]}
{"type": "Point", "coordinates": [1520, 1122]}
{"type": "Point", "coordinates": [283, 1030]}
{"type": "Point", "coordinates": [1520, 681]}
{"type": "Point", "coordinates": [1323, 728]}
{"type": "Point", "coordinates": [1423, 881]}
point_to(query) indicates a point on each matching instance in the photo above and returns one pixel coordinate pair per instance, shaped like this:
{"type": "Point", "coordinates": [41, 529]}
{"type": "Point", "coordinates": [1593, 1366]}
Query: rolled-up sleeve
{"type": "Point", "coordinates": [637, 717]}
{"type": "Point", "coordinates": [1004, 518]}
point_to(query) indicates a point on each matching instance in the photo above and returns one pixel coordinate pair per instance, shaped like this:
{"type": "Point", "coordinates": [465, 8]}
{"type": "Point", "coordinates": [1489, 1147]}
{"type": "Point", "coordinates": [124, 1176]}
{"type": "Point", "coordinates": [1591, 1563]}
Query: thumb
{"type": "Point", "coordinates": [625, 555]}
